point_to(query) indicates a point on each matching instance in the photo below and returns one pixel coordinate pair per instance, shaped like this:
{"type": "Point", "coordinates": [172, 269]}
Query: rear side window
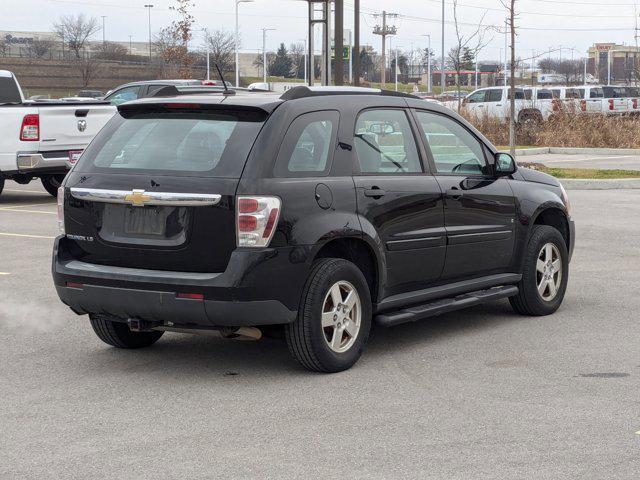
{"type": "Point", "coordinates": [493, 95]}
{"type": "Point", "coordinates": [477, 97]}
{"type": "Point", "coordinates": [521, 94]}
{"type": "Point", "coordinates": [126, 94]}
{"type": "Point", "coordinates": [177, 144]}
{"type": "Point", "coordinates": [574, 93]}
{"type": "Point", "coordinates": [9, 92]}
{"type": "Point", "coordinates": [307, 149]}
{"type": "Point", "coordinates": [544, 95]}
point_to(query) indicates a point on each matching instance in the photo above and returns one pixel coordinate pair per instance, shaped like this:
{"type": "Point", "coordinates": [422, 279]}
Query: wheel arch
{"type": "Point", "coordinates": [553, 216]}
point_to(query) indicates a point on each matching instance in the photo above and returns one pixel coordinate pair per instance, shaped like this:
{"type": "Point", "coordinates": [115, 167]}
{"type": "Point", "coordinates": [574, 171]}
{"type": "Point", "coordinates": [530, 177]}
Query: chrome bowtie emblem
{"type": "Point", "coordinates": [82, 125]}
{"type": "Point", "coordinates": [137, 198]}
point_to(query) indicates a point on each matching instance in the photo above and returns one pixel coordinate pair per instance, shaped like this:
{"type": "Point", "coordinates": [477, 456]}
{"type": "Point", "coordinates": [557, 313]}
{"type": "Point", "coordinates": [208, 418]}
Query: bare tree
{"type": "Point", "coordinates": [221, 46]}
{"type": "Point", "coordinates": [39, 48]}
{"type": "Point", "coordinates": [89, 68]}
{"type": "Point", "coordinates": [296, 51]}
{"type": "Point", "coordinates": [75, 30]}
{"type": "Point", "coordinates": [4, 47]}
{"type": "Point", "coordinates": [467, 46]}
{"type": "Point", "coordinates": [179, 33]}
{"type": "Point", "coordinates": [111, 51]}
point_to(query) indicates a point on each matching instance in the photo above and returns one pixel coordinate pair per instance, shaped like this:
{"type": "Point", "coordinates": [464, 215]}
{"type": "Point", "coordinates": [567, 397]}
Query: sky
{"type": "Point", "coordinates": [567, 27]}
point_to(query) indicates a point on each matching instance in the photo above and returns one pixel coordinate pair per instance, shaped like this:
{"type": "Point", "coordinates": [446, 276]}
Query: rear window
{"type": "Point", "coordinates": [9, 92]}
{"type": "Point", "coordinates": [212, 144]}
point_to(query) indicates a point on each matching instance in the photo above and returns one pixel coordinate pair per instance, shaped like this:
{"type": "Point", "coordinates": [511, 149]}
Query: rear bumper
{"type": "Point", "coordinates": [259, 287]}
{"type": "Point", "coordinates": [29, 162]}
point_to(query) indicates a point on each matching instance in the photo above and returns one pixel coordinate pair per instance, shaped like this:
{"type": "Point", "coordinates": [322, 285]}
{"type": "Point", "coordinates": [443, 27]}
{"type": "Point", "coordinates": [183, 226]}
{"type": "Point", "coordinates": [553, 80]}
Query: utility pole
{"type": "Point", "coordinates": [443, 76]}
{"type": "Point", "coordinates": [103, 31]}
{"type": "Point", "coordinates": [264, 53]}
{"type": "Point", "coordinates": [506, 45]}
{"type": "Point", "coordinates": [339, 43]}
{"type": "Point", "coordinates": [429, 81]}
{"type": "Point", "coordinates": [305, 59]}
{"type": "Point", "coordinates": [237, 41]}
{"type": "Point", "coordinates": [149, 6]}
{"type": "Point", "coordinates": [385, 31]}
{"type": "Point", "coordinates": [356, 48]}
{"type": "Point", "coordinates": [512, 90]}
{"type": "Point", "coordinates": [130, 41]}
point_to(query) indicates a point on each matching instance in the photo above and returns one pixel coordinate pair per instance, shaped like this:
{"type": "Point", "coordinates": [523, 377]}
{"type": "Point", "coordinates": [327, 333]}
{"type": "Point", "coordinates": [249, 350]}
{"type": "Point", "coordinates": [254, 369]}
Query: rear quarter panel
{"type": "Point", "coordinates": [10, 144]}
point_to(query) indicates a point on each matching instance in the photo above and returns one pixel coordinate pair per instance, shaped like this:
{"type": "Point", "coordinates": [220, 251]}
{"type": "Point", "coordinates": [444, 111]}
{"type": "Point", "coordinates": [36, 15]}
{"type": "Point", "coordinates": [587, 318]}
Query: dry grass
{"type": "Point", "coordinates": [566, 130]}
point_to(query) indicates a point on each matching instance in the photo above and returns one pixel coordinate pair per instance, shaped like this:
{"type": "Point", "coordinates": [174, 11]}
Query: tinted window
{"type": "Point", "coordinates": [177, 144]}
{"type": "Point", "coordinates": [476, 97]}
{"type": "Point", "coordinates": [454, 149]}
{"type": "Point", "coordinates": [385, 143]}
{"type": "Point", "coordinates": [596, 93]}
{"type": "Point", "coordinates": [154, 88]}
{"type": "Point", "coordinates": [494, 95]}
{"type": "Point", "coordinates": [9, 92]}
{"type": "Point", "coordinates": [574, 93]}
{"type": "Point", "coordinates": [521, 94]}
{"type": "Point", "coordinates": [544, 95]}
{"type": "Point", "coordinates": [556, 93]}
{"type": "Point", "coordinates": [124, 95]}
{"type": "Point", "coordinates": [307, 147]}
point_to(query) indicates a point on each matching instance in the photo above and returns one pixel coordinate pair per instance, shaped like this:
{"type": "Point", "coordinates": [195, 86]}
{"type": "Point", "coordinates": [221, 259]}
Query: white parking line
{"type": "Point", "coordinates": [5, 234]}
{"type": "Point", "coordinates": [26, 211]}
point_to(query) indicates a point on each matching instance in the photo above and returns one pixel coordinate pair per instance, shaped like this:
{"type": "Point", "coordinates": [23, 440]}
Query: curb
{"type": "Point", "coordinates": [613, 184]}
{"type": "Point", "coordinates": [575, 151]}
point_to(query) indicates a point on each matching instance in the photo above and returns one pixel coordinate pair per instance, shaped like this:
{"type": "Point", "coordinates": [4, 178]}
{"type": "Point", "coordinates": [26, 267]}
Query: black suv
{"type": "Point", "coordinates": [320, 211]}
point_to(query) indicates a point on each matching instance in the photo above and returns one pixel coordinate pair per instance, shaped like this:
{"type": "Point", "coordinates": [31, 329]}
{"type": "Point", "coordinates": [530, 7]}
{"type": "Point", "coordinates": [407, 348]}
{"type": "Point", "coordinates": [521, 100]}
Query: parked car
{"type": "Point", "coordinates": [135, 90]}
{"type": "Point", "coordinates": [494, 102]}
{"type": "Point", "coordinates": [90, 94]}
{"type": "Point", "coordinates": [42, 139]}
{"type": "Point", "coordinates": [321, 211]}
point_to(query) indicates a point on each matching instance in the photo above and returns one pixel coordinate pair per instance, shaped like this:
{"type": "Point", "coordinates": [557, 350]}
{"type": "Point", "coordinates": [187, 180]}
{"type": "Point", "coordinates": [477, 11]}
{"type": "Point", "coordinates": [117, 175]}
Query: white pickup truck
{"type": "Point", "coordinates": [42, 139]}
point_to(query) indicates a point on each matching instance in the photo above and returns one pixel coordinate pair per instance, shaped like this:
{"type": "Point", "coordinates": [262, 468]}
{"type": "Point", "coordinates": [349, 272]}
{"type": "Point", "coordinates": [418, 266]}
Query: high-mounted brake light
{"type": "Point", "coordinates": [30, 129]}
{"type": "Point", "coordinates": [256, 220]}
{"type": "Point", "coordinates": [192, 106]}
{"type": "Point", "coordinates": [190, 296]}
{"type": "Point", "coordinates": [61, 209]}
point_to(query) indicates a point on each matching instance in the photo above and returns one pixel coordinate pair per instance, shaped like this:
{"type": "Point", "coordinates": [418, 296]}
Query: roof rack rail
{"type": "Point", "coordinates": [176, 91]}
{"type": "Point", "coordinates": [305, 92]}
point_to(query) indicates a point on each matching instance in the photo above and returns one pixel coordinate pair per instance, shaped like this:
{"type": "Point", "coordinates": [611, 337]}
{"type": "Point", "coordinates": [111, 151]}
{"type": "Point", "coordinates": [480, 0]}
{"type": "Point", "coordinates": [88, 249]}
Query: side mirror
{"type": "Point", "coordinates": [504, 165]}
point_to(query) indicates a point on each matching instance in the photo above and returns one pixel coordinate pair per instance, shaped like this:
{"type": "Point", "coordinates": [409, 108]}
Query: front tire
{"type": "Point", "coordinates": [334, 317]}
{"type": "Point", "coordinates": [545, 274]}
{"type": "Point", "coordinates": [117, 333]}
{"type": "Point", "coordinates": [51, 183]}
{"type": "Point", "coordinates": [1, 185]}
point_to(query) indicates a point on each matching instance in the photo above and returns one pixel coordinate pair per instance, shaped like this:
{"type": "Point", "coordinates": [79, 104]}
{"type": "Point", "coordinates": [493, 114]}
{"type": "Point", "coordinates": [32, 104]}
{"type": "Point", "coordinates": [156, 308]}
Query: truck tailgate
{"type": "Point", "coordinates": [71, 127]}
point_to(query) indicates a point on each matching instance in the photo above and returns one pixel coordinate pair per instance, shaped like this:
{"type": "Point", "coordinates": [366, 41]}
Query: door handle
{"type": "Point", "coordinates": [374, 192]}
{"type": "Point", "coordinates": [454, 194]}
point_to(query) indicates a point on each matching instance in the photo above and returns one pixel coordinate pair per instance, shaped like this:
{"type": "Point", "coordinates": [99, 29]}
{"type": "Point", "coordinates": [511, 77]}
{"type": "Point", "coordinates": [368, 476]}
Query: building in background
{"type": "Point", "coordinates": [622, 62]}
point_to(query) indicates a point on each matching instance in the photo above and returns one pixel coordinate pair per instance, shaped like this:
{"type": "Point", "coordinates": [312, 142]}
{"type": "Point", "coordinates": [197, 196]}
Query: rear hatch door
{"type": "Point", "coordinates": [156, 190]}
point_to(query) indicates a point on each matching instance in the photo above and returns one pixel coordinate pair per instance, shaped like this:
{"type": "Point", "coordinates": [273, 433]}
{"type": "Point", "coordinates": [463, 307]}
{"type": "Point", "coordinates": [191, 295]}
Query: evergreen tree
{"type": "Point", "coordinates": [282, 64]}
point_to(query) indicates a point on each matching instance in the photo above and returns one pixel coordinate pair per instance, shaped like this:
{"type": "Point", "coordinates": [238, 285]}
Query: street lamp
{"type": "Point", "coordinates": [103, 33]}
{"type": "Point", "coordinates": [237, 42]}
{"type": "Point", "coordinates": [149, 7]}
{"type": "Point", "coordinates": [305, 58]}
{"type": "Point", "coordinates": [264, 53]}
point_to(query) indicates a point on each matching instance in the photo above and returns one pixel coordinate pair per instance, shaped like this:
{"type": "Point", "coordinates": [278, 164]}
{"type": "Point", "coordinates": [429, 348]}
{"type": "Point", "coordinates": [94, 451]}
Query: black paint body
{"type": "Point", "coordinates": [427, 234]}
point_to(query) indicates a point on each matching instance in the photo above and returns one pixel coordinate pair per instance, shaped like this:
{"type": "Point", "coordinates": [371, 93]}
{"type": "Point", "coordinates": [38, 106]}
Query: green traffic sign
{"type": "Point", "coordinates": [346, 53]}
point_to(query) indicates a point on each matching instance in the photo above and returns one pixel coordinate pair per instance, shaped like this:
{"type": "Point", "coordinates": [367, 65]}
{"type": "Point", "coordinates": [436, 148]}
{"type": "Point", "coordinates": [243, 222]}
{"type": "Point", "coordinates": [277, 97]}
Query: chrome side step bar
{"type": "Point", "coordinates": [141, 198]}
{"type": "Point", "coordinates": [419, 312]}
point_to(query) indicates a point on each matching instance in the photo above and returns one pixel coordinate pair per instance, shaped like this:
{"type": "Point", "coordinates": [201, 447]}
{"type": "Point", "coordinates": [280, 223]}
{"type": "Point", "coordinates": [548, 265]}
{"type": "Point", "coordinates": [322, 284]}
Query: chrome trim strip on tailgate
{"type": "Point", "coordinates": [141, 198]}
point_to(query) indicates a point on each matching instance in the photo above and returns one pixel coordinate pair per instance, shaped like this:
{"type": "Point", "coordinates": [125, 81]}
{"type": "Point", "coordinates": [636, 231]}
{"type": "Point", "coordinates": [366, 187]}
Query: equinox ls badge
{"type": "Point", "coordinates": [137, 198]}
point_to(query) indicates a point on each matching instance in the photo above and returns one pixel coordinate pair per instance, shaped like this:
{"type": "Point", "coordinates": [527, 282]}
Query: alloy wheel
{"type": "Point", "coordinates": [549, 272]}
{"type": "Point", "coordinates": [341, 316]}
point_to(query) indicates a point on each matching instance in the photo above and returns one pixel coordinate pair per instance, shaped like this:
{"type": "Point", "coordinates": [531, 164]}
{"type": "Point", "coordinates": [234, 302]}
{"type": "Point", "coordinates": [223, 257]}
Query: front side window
{"type": "Point", "coordinates": [596, 93]}
{"type": "Point", "coordinates": [476, 97]}
{"type": "Point", "coordinates": [307, 148]}
{"type": "Point", "coordinates": [454, 149]}
{"type": "Point", "coordinates": [124, 95]}
{"type": "Point", "coordinates": [385, 143]}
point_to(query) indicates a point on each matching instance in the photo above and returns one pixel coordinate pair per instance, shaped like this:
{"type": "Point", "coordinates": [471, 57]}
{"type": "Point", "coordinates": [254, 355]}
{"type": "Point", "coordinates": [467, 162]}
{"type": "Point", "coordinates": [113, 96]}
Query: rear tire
{"type": "Point", "coordinates": [536, 296]}
{"type": "Point", "coordinates": [1, 185]}
{"type": "Point", "coordinates": [51, 183]}
{"type": "Point", "coordinates": [117, 333]}
{"type": "Point", "coordinates": [334, 317]}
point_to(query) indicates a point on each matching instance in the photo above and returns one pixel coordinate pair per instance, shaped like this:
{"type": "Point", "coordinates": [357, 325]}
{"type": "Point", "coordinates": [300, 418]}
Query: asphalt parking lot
{"type": "Point", "coordinates": [481, 393]}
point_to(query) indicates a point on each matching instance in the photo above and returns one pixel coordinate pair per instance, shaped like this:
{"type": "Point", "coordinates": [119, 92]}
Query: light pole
{"type": "Point", "coordinates": [206, 38]}
{"type": "Point", "coordinates": [264, 53]}
{"type": "Point", "coordinates": [305, 59]}
{"type": "Point", "coordinates": [237, 42]}
{"type": "Point", "coordinates": [130, 41]}
{"type": "Point", "coordinates": [443, 77]}
{"type": "Point", "coordinates": [429, 83]}
{"type": "Point", "coordinates": [103, 34]}
{"type": "Point", "coordinates": [149, 7]}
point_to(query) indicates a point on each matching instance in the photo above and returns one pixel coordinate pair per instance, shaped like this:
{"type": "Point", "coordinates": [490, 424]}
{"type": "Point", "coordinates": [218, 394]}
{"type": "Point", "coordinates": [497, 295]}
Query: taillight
{"type": "Point", "coordinates": [256, 220]}
{"type": "Point", "coordinates": [30, 129]}
{"type": "Point", "coordinates": [555, 105]}
{"type": "Point", "coordinates": [635, 103]}
{"type": "Point", "coordinates": [611, 104]}
{"type": "Point", "coordinates": [583, 105]}
{"type": "Point", "coordinates": [61, 209]}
